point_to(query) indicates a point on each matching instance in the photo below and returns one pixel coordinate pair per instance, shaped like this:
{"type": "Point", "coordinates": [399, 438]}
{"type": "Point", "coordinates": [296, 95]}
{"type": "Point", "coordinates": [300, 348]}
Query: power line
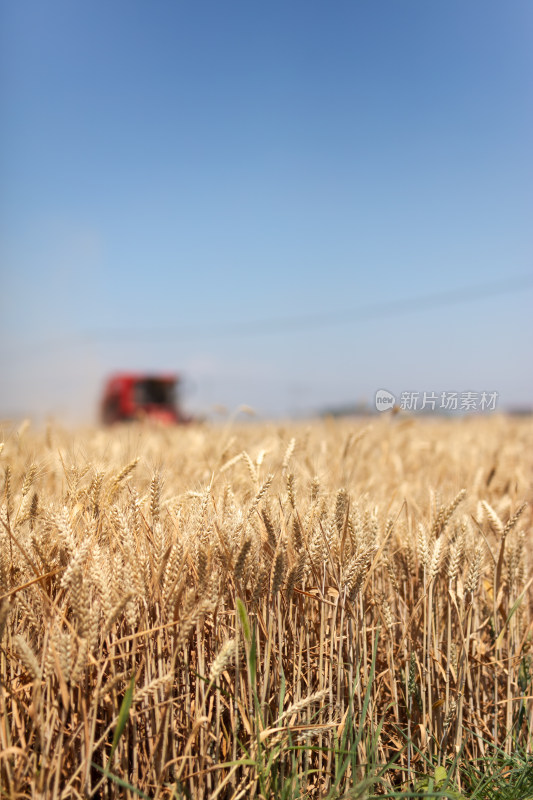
{"type": "Point", "coordinates": [300, 322]}
{"type": "Point", "coordinates": [294, 323]}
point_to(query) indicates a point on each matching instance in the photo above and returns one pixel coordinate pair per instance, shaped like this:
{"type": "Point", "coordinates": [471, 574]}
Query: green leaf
{"type": "Point", "coordinates": [243, 616]}
{"type": "Point", "coordinates": [281, 692]}
{"type": "Point", "coordinates": [440, 776]}
{"type": "Point", "coordinates": [123, 715]}
{"type": "Point", "coordinates": [252, 659]}
{"type": "Point", "coordinates": [119, 781]}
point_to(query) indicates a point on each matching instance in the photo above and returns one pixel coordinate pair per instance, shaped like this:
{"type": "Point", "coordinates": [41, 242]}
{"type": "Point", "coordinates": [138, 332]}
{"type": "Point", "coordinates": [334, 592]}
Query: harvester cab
{"type": "Point", "coordinates": [142, 397]}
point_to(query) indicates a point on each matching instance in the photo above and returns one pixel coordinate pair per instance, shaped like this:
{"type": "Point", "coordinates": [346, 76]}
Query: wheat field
{"type": "Point", "coordinates": [312, 609]}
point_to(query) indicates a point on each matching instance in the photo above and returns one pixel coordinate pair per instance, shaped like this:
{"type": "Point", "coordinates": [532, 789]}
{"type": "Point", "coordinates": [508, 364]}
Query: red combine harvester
{"type": "Point", "coordinates": [142, 397]}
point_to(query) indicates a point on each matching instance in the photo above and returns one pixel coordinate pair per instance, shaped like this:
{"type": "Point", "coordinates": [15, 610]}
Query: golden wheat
{"type": "Point", "coordinates": [241, 586]}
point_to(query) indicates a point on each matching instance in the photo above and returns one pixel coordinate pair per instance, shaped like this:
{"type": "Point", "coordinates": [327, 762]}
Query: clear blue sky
{"type": "Point", "coordinates": [182, 180]}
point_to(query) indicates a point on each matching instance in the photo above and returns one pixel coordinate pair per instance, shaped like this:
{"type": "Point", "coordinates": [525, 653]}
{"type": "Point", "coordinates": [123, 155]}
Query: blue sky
{"type": "Point", "coordinates": [204, 187]}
